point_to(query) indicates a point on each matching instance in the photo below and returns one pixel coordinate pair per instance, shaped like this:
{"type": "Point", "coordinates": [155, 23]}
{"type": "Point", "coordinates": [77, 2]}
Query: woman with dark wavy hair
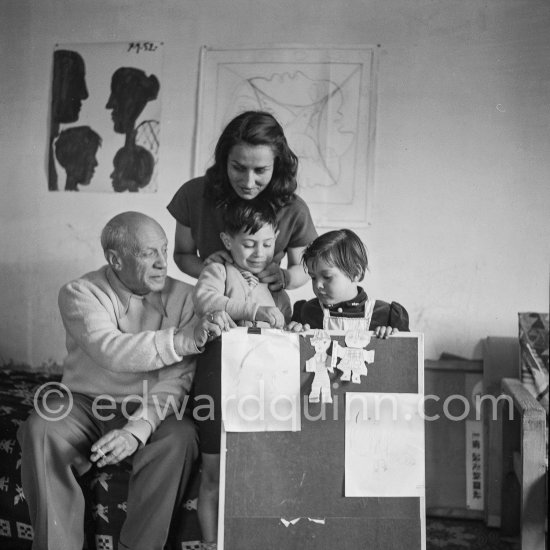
{"type": "Point", "coordinates": [252, 161]}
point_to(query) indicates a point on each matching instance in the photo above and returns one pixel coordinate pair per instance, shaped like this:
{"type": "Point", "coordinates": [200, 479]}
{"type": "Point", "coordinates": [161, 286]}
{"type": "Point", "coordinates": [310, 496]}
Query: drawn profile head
{"type": "Point", "coordinates": [69, 86]}
{"type": "Point", "coordinates": [131, 90]}
{"type": "Point", "coordinates": [75, 150]}
{"type": "Point", "coordinates": [133, 169]}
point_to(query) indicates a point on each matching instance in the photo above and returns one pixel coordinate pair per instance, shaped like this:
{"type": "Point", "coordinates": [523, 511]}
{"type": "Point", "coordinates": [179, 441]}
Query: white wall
{"type": "Point", "coordinates": [461, 226]}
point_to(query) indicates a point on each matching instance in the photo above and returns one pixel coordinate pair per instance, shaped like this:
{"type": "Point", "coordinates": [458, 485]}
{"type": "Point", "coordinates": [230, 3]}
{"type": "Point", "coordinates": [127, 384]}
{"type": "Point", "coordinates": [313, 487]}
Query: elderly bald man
{"type": "Point", "coordinates": [132, 338]}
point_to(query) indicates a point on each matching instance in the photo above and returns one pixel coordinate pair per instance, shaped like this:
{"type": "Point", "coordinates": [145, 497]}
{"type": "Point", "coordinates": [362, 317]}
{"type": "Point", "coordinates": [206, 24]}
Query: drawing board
{"type": "Point", "coordinates": [287, 489]}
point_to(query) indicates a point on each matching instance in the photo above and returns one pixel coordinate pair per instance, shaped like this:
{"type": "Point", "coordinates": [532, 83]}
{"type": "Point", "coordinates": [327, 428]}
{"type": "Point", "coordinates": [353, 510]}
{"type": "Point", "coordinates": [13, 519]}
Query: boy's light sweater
{"type": "Point", "coordinates": [222, 287]}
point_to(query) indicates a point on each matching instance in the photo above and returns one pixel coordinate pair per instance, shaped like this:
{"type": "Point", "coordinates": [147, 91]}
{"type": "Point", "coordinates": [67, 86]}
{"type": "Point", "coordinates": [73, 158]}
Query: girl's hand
{"type": "Point", "coordinates": [219, 257]}
{"type": "Point", "coordinates": [293, 326]}
{"type": "Point", "coordinates": [274, 276]}
{"type": "Point", "coordinates": [384, 332]}
{"type": "Point", "coordinates": [271, 315]}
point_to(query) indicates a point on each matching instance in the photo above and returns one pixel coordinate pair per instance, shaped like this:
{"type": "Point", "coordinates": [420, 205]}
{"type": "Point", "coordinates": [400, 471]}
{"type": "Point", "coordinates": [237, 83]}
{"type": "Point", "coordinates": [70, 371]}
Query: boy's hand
{"type": "Point", "coordinates": [293, 326]}
{"type": "Point", "coordinates": [384, 332]}
{"type": "Point", "coordinates": [271, 315]}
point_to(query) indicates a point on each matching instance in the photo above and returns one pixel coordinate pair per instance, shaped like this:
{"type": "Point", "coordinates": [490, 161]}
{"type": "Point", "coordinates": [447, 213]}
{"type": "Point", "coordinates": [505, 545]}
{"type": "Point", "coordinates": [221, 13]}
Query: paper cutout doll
{"type": "Point", "coordinates": [320, 365]}
{"type": "Point", "coordinates": [353, 355]}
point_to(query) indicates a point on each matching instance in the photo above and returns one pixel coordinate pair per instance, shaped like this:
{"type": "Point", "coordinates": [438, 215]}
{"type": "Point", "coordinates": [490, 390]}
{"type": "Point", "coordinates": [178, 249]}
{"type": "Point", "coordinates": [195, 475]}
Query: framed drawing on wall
{"type": "Point", "coordinates": [325, 100]}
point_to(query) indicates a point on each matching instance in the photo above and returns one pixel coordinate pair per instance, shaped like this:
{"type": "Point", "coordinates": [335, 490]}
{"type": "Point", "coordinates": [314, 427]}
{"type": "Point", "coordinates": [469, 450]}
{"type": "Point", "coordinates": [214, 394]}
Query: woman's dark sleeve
{"type": "Point", "coordinates": [179, 206]}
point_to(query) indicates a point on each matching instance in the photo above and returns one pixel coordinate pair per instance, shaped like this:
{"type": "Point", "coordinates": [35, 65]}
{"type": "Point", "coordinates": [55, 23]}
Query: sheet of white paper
{"type": "Point", "coordinates": [384, 445]}
{"type": "Point", "coordinates": [260, 381]}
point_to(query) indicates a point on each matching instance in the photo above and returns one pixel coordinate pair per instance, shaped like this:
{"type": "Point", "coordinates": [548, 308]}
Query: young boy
{"type": "Point", "coordinates": [249, 235]}
{"type": "Point", "coordinates": [250, 232]}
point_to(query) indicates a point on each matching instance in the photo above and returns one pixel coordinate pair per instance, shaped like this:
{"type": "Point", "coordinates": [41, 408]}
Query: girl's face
{"type": "Point", "coordinates": [249, 169]}
{"type": "Point", "coordinates": [330, 285]}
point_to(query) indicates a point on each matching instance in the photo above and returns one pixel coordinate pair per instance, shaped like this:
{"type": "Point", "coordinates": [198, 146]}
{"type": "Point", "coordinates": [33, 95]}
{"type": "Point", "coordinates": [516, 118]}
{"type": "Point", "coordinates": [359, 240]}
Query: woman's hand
{"type": "Point", "coordinates": [271, 315]}
{"type": "Point", "coordinates": [218, 257]}
{"type": "Point", "coordinates": [274, 276]}
{"type": "Point", "coordinates": [384, 332]}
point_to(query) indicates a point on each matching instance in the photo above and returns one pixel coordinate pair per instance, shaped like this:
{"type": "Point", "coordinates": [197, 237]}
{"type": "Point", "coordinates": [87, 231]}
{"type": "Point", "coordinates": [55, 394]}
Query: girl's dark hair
{"type": "Point", "coordinates": [341, 248]}
{"type": "Point", "coordinates": [254, 128]}
{"type": "Point", "coordinates": [249, 216]}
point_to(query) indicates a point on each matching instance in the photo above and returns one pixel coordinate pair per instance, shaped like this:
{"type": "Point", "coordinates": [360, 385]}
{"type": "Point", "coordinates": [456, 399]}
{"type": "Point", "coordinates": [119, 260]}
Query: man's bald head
{"type": "Point", "coordinates": [121, 233]}
{"type": "Point", "coordinates": [136, 247]}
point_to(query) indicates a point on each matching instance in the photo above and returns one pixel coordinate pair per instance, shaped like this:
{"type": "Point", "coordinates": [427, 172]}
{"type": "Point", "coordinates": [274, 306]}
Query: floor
{"type": "Point", "coordinates": [441, 534]}
{"type": "Point", "coordinates": [457, 534]}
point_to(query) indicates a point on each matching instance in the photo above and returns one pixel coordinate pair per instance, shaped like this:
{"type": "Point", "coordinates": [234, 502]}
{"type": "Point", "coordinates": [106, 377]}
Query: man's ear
{"type": "Point", "coordinates": [226, 240]}
{"type": "Point", "coordinates": [114, 259]}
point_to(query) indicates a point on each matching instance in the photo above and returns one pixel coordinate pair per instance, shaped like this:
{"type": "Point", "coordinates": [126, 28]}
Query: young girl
{"type": "Point", "coordinates": [336, 261]}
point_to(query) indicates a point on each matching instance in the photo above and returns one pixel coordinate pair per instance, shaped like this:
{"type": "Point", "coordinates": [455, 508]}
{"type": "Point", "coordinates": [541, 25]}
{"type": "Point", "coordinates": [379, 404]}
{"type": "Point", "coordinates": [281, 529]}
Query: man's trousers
{"type": "Point", "coordinates": [56, 453]}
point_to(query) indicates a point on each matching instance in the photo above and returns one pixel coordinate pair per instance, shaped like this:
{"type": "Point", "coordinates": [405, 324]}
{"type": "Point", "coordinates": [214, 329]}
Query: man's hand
{"type": "Point", "coordinates": [271, 315]}
{"type": "Point", "coordinates": [210, 326]}
{"type": "Point", "coordinates": [113, 447]}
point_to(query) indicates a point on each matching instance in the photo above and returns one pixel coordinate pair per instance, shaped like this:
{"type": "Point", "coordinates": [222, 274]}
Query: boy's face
{"type": "Point", "coordinates": [251, 252]}
{"type": "Point", "coordinates": [330, 285]}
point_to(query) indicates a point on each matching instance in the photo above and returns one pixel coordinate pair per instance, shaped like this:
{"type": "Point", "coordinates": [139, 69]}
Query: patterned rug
{"type": "Point", "coordinates": [458, 534]}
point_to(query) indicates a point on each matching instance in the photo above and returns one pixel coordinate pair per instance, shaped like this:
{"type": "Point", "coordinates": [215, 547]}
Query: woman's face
{"type": "Point", "coordinates": [249, 169]}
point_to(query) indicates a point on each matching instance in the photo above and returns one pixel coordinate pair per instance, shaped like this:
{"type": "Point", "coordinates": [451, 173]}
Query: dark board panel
{"type": "Point", "coordinates": [271, 476]}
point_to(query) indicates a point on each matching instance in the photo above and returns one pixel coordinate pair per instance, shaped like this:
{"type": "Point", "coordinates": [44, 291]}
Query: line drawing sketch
{"type": "Point", "coordinates": [305, 106]}
{"type": "Point", "coordinates": [260, 381]}
{"type": "Point", "coordinates": [384, 445]}
{"type": "Point", "coordinates": [324, 99]}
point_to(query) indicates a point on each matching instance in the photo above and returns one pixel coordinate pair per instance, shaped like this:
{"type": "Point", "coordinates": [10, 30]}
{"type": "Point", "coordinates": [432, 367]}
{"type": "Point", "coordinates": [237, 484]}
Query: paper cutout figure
{"type": "Point", "coordinates": [353, 355]}
{"type": "Point", "coordinates": [321, 366]}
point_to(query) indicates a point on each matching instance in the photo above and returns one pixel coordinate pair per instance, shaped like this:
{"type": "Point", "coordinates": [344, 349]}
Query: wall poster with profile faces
{"type": "Point", "coordinates": [325, 100]}
{"type": "Point", "coordinates": [105, 117]}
